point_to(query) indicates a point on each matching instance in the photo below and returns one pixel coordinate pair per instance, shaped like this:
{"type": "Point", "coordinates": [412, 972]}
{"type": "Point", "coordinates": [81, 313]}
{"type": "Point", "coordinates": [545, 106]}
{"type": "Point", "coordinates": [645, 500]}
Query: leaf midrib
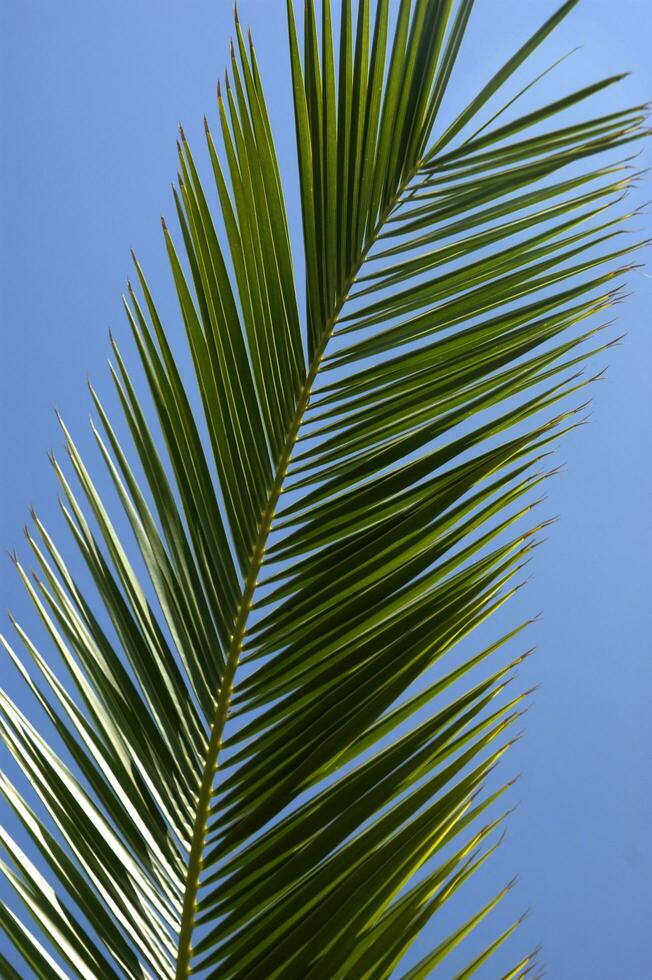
{"type": "Point", "coordinates": [195, 861]}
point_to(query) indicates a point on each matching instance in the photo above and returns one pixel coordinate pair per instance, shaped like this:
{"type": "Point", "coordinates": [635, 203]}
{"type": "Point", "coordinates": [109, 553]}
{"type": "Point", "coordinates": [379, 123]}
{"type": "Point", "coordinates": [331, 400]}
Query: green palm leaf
{"type": "Point", "coordinates": [265, 755]}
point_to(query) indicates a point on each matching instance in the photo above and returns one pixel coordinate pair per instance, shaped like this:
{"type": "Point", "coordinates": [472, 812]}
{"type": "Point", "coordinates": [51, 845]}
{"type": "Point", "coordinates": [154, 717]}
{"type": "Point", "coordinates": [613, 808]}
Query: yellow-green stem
{"type": "Point", "coordinates": [233, 658]}
{"type": "Point", "coordinates": [184, 949]}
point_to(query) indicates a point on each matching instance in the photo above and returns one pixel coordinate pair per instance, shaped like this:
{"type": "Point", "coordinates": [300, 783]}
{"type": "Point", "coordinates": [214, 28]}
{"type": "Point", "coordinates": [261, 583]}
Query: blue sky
{"type": "Point", "coordinates": [91, 96]}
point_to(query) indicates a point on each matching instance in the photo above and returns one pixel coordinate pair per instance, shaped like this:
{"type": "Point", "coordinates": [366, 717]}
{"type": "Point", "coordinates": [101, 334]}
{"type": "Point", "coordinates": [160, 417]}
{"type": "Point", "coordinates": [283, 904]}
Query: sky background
{"type": "Point", "coordinates": [91, 96]}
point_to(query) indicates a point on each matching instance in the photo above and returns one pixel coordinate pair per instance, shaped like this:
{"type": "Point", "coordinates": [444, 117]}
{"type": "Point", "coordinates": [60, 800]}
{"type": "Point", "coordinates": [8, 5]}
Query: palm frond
{"type": "Point", "coordinates": [270, 755]}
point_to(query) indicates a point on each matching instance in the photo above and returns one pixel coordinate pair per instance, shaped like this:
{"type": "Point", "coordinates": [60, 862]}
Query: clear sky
{"type": "Point", "coordinates": [90, 99]}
